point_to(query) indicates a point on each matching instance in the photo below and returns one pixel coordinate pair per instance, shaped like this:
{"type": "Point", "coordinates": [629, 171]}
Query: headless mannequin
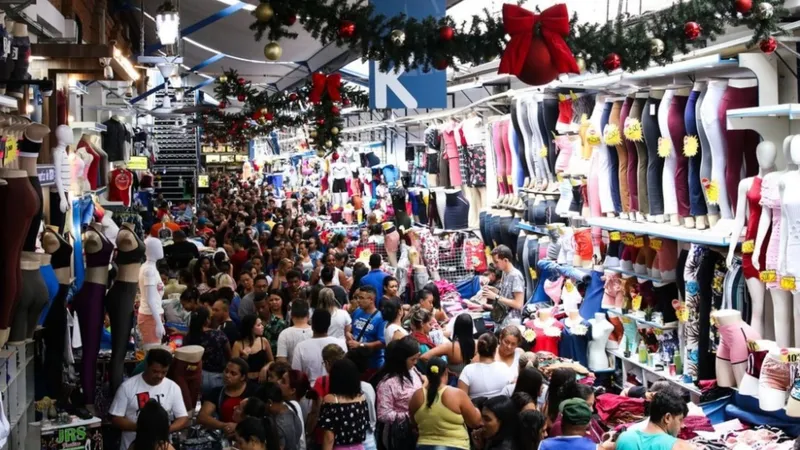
{"type": "Point", "coordinates": [56, 320]}
{"type": "Point", "coordinates": [82, 170]}
{"type": "Point", "coordinates": [152, 290]}
{"type": "Point", "coordinates": [20, 52]}
{"type": "Point", "coordinates": [781, 299]}
{"type": "Point", "coordinates": [699, 86]}
{"type": "Point", "coordinates": [573, 318]}
{"type": "Point", "coordinates": [730, 371]}
{"type": "Point", "coordinates": [790, 201]}
{"type": "Point", "coordinates": [186, 371]}
{"type": "Point", "coordinates": [59, 191]}
{"type": "Point", "coordinates": [601, 330]}
{"type": "Point", "coordinates": [120, 298]}
{"type": "Point", "coordinates": [94, 140]}
{"type": "Point", "coordinates": [765, 153]}
{"type": "Point", "coordinates": [770, 396]}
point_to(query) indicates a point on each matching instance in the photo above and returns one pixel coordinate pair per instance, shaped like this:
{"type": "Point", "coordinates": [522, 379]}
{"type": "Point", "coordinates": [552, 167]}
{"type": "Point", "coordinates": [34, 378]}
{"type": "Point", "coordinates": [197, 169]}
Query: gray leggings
{"type": "Point", "coordinates": [119, 305]}
{"type": "Point", "coordinates": [33, 297]}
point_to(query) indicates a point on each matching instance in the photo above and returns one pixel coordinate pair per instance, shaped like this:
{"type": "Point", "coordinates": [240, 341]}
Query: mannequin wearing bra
{"type": "Point", "coordinates": [748, 213]}
{"type": "Point", "coordinates": [120, 298]}
{"type": "Point", "coordinates": [90, 172]}
{"type": "Point", "coordinates": [33, 295]}
{"type": "Point", "coordinates": [768, 235]}
{"type": "Point", "coordinates": [82, 168]}
{"type": "Point", "coordinates": [670, 162]}
{"type": "Point", "coordinates": [88, 304]}
{"type": "Point", "coordinates": [788, 262]}
{"type": "Point", "coordinates": [55, 322]}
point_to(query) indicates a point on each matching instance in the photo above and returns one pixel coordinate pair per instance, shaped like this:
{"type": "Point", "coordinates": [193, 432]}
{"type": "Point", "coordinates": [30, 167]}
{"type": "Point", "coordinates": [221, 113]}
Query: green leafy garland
{"type": "Point", "coordinates": [482, 39]}
{"type": "Point", "coordinates": [263, 112]}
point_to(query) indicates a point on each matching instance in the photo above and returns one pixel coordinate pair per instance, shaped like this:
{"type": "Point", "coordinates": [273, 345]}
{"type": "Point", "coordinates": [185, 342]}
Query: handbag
{"type": "Point", "coordinates": [201, 439]}
{"type": "Point", "coordinates": [399, 435]}
{"type": "Point", "coordinates": [360, 355]}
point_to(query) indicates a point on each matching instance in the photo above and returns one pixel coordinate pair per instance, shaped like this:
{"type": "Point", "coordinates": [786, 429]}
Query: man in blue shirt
{"type": "Point", "coordinates": [368, 330]}
{"type": "Point", "coordinates": [575, 418]}
{"type": "Point", "coordinates": [375, 277]}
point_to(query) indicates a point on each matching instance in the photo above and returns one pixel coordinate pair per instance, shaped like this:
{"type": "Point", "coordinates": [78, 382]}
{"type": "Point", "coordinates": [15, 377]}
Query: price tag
{"type": "Point", "coordinates": [652, 109]}
{"type": "Point", "coordinates": [533, 274]}
{"type": "Point", "coordinates": [638, 242]}
{"type": "Point", "coordinates": [683, 314]}
{"type": "Point", "coordinates": [712, 192]}
{"type": "Point", "coordinates": [11, 150]}
{"type": "Point", "coordinates": [655, 244]}
{"type": "Point", "coordinates": [509, 180]}
{"type": "Point", "coordinates": [636, 303]}
{"type": "Point", "coordinates": [790, 355]}
{"type": "Point", "coordinates": [752, 345]}
{"type": "Point", "coordinates": [690, 146]}
{"type": "Point", "coordinates": [788, 283]}
{"type": "Point", "coordinates": [562, 97]}
{"type": "Point", "coordinates": [748, 246]}
{"type": "Point", "coordinates": [559, 177]}
{"type": "Point", "coordinates": [768, 276]}
{"type": "Point", "coordinates": [543, 151]}
{"type": "Point", "coordinates": [569, 286]}
{"type": "Point", "coordinates": [615, 236]}
{"type": "Point", "coordinates": [612, 134]}
{"type": "Point", "coordinates": [628, 238]}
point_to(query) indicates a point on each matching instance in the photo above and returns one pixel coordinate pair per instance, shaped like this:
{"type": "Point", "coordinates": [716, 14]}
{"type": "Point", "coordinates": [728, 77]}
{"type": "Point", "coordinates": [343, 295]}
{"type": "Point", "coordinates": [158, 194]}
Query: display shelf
{"type": "Point", "coordinates": [662, 374]}
{"type": "Point", "coordinates": [631, 273]}
{"type": "Point", "coordinates": [706, 237]}
{"type": "Point", "coordinates": [772, 122]}
{"type": "Point", "coordinates": [89, 126]}
{"type": "Point", "coordinates": [7, 101]}
{"type": "Point", "coordinates": [644, 323]}
{"type": "Point", "coordinates": [538, 192]}
{"type": "Point", "coordinates": [532, 228]}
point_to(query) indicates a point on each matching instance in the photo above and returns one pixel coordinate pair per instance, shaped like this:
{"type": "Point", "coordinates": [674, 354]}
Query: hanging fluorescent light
{"type": "Point", "coordinates": [167, 23]}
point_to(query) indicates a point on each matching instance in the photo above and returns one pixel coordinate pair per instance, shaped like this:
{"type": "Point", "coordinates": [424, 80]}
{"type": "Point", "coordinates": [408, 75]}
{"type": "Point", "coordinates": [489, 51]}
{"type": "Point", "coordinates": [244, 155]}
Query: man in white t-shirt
{"type": "Point", "coordinates": [308, 354]}
{"type": "Point", "coordinates": [297, 333]}
{"type": "Point", "coordinates": [135, 392]}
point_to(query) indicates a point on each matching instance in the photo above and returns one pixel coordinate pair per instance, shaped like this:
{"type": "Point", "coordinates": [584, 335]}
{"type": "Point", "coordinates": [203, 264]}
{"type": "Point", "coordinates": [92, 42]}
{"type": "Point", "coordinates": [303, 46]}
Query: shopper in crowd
{"type": "Point", "coordinates": [399, 379]}
{"type": "Point", "coordinates": [203, 270]}
{"type": "Point", "coordinates": [284, 266]}
{"type": "Point", "coordinates": [344, 414]}
{"type": "Point", "coordinates": [245, 283]}
{"type": "Point", "coordinates": [366, 341]}
{"type": "Point", "coordinates": [532, 429]}
{"type": "Point", "coordinates": [500, 425]}
{"type": "Point", "coordinates": [508, 302]}
{"type": "Point", "coordinates": [575, 390]}
{"type": "Point", "coordinates": [247, 305]}
{"type": "Point", "coordinates": [436, 300]}
{"type": "Point", "coordinates": [177, 312]}
{"type": "Point", "coordinates": [313, 250]}
{"type": "Point", "coordinates": [286, 417]}
{"type": "Point", "coordinates": [441, 413]}
{"type": "Point", "coordinates": [360, 270]}
{"type": "Point", "coordinates": [393, 315]}
{"type": "Point", "coordinates": [390, 287]}
{"type": "Point", "coordinates": [341, 321]}
{"type": "Point", "coordinates": [233, 301]}
{"type": "Point", "coordinates": [256, 434]}
{"type": "Point", "coordinates": [508, 350]}
{"type": "Point", "coordinates": [420, 320]}
{"type": "Point", "coordinates": [217, 349]}
{"type": "Point", "coordinates": [153, 428]}
{"type": "Point", "coordinates": [297, 333]}
{"type": "Point", "coordinates": [258, 264]}
{"type": "Point", "coordinates": [529, 381]}
{"type": "Point", "coordinates": [375, 276]}
{"type": "Point", "coordinates": [338, 279]}
{"type": "Point", "coordinates": [305, 259]}
{"type": "Point", "coordinates": [219, 403]}
{"type": "Point", "coordinates": [133, 394]}
{"type": "Point", "coordinates": [460, 351]}
{"type": "Point", "coordinates": [181, 251]}
{"type": "Point", "coordinates": [221, 313]}
{"type": "Point", "coordinates": [667, 412]}
{"type": "Point", "coordinates": [558, 378]}
{"type": "Point", "coordinates": [273, 323]}
{"type": "Point", "coordinates": [252, 346]}
{"type": "Point", "coordinates": [339, 292]}
{"type": "Point", "coordinates": [485, 377]}
{"type": "Point", "coordinates": [308, 354]}
{"type": "Point", "coordinates": [239, 256]}
{"type": "Point", "coordinates": [297, 390]}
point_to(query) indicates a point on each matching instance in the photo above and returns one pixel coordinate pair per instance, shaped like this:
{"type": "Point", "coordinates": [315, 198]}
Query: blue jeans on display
{"type": "Point", "coordinates": [593, 296]}
{"type": "Point", "coordinates": [697, 202]}
{"type": "Point", "coordinates": [496, 230]}
{"type": "Point", "coordinates": [613, 160]}
{"type": "Point", "coordinates": [520, 254]}
{"type": "Point", "coordinates": [482, 222]}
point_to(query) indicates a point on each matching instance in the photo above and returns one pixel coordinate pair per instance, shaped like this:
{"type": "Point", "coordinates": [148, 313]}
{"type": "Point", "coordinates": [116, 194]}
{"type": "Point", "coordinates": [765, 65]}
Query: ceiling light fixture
{"type": "Point", "coordinates": [246, 7]}
{"type": "Point", "coordinates": [167, 23]}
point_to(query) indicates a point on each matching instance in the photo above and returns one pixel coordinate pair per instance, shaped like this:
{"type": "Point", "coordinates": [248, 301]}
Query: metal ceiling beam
{"type": "Point", "coordinates": [219, 15]}
{"type": "Point", "coordinates": [199, 66]}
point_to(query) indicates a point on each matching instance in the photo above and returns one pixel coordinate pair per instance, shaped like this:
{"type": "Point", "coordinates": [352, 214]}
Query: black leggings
{"type": "Point", "coordinates": [119, 304]}
{"type": "Point", "coordinates": [550, 119]}
{"type": "Point", "coordinates": [521, 151]}
{"type": "Point", "coordinates": [655, 163]}
{"type": "Point", "coordinates": [55, 328]}
{"type": "Point", "coordinates": [21, 63]}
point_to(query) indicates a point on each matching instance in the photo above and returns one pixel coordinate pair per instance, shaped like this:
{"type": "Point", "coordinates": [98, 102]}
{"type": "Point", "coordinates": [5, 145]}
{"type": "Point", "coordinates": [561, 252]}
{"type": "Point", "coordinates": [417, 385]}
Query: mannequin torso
{"type": "Point", "coordinates": [129, 243]}
{"type": "Point", "coordinates": [601, 329]}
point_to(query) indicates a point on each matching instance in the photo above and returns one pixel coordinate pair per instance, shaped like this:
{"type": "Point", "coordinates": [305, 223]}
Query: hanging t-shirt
{"type": "Point", "coordinates": [119, 186]}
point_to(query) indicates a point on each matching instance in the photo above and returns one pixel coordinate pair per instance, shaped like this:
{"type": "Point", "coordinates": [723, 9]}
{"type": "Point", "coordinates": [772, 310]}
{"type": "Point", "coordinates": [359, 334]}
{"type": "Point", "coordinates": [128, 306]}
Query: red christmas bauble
{"type": "Point", "coordinates": [347, 29]}
{"type": "Point", "coordinates": [346, 102]}
{"type": "Point", "coordinates": [290, 19]}
{"type": "Point", "coordinates": [743, 6]}
{"type": "Point", "coordinates": [256, 115]}
{"type": "Point", "coordinates": [241, 81]}
{"type": "Point", "coordinates": [768, 45]}
{"type": "Point", "coordinates": [292, 97]}
{"type": "Point", "coordinates": [446, 33]}
{"type": "Point", "coordinates": [222, 105]}
{"type": "Point", "coordinates": [612, 62]}
{"type": "Point", "coordinates": [240, 97]}
{"type": "Point", "coordinates": [335, 110]}
{"type": "Point", "coordinates": [538, 68]}
{"type": "Point", "coordinates": [691, 30]}
{"type": "Point", "coordinates": [440, 64]}
{"type": "Point", "coordinates": [269, 116]}
{"type": "Point", "coordinates": [320, 122]}
{"type": "Point", "coordinates": [246, 125]}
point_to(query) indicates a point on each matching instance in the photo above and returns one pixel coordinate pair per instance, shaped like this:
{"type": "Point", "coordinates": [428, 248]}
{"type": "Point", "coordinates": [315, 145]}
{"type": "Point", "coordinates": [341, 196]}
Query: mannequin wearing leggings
{"type": "Point", "coordinates": [622, 158]}
{"type": "Point", "coordinates": [55, 322]}
{"type": "Point", "coordinates": [599, 164]}
{"type": "Point", "coordinates": [613, 159]}
{"type": "Point", "coordinates": [633, 161]}
{"type": "Point", "coordinates": [518, 120]}
{"type": "Point", "coordinates": [498, 131]}
{"type": "Point", "coordinates": [120, 298]}
{"type": "Point", "coordinates": [641, 158]}
{"type": "Point", "coordinates": [705, 161]}
{"type": "Point", "coordinates": [670, 163]}
{"type": "Point", "coordinates": [549, 111]}
{"type": "Point", "coordinates": [709, 113]}
{"type": "Point", "coordinates": [628, 201]}
{"type": "Point", "coordinates": [505, 138]}
{"type": "Point", "coordinates": [697, 203]}
{"type": "Point", "coordinates": [88, 305]}
{"type": "Point", "coordinates": [740, 144]}
{"type": "Point", "coordinates": [655, 164]}
{"type": "Point", "coordinates": [677, 131]}
{"type": "Point", "coordinates": [516, 177]}
{"type": "Point", "coordinates": [528, 142]}
{"type": "Point", "coordinates": [536, 120]}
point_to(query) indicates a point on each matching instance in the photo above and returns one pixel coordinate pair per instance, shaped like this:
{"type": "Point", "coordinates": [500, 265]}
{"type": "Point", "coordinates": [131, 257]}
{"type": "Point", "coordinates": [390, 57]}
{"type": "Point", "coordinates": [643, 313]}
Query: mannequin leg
{"type": "Point", "coordinates": [119, 305]}
{"type": "Point", "coordinates": [756, 289]}
{"type": "Point", "coordinates": [88, 304]}
{"type": "Point", "coordinates": [769, 313]}
{"type": "Point", "coordinates": [441, 205]}
{"type": "Point", "coordinates": [55, 324]}
{"type": "Point", "coordinates": [782, 304]}
{"type": "Point", "coordinates": [32, 300]}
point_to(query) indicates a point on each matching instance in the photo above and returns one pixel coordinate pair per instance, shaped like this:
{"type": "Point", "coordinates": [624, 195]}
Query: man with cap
{"type": "Point", "coordinates": [575, 418]}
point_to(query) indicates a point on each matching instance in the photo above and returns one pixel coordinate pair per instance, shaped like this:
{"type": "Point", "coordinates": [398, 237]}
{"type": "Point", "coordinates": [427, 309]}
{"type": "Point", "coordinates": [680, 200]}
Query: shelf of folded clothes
{"type": "Point", "coordinates": [631, 273]}
{"type": "Point", "coordinates": [662, 230]}
{"type": "Point", "coordinates": [663, 374]}
{"type": "Point", "coordinates": [644, 323]}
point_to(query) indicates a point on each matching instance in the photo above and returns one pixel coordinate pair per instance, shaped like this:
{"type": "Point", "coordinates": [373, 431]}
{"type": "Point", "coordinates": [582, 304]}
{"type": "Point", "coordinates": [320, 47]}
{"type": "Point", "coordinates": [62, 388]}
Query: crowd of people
{"type": "Point", "coordinates": [306, 348]}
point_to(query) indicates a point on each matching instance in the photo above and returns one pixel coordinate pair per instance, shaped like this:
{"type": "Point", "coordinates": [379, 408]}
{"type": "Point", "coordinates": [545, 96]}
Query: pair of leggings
{"type": "Point", "coordinates": [655, 164]}
{"type": "Point", "coordinates": [482, 225]}
{"type": "Point", "coordinates": [740, 144]}
{"type": "Point", "coordinates": [613, 158]}
{"type": "Point", "coordinates": [33, 297]}
{"type": "Point", "coordinates": [550, 120]}
{"type": "Point", "coordinates": [705, 160]}
{"type": "Point", "coordinates": [633, 158]}
{"type": "Point", "coordinates": [622, 153]}
{"type": "Point", "coordinates": [715, 132]}
{"type": "Point", "coordinates": [57, 218]}
{"type": "Point", "coordinates": [55, 328]}
{"type": "Point", "coordinates": [88, 305]}
{"type": "Point", "coordinates": [499, 157]}
{"type": "Point", "coordinates": [51, 283]}
{"type": "Point", "coordinates": [119, 305]}
{"type": "Point", "coordinates": [697, 203]}
{"type": "Point", "coordinates": [517, 111]}
{"type": "Point", "coordinates": [516, 178]}
{"type": "Point", "coordinates": [22, 45]}
{"type": "Point", "coordinates": [505, 140]}
{"type": "Point", "coordinates": [670, 163]}
{"type": "Point", "coordinates": [188, 377]}
{"type": "Point", "coordinates": [541, 139]}
{"type": "Point", "coordinates": [677, 131]}
{"type": "Point", "coordinates": [532, 247]}
{"type": "Point", "coordinates": [521, 257]}
{"type": "Point", "coordinates": [18, 206]}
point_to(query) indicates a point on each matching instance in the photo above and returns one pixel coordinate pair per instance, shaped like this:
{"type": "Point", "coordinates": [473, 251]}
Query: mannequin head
{"type": "Point", "coordinates": [794, 150]}
{"type": "Point", "coordinates": [154, 249]}
{"type": "Point", "coordinates": [765, 154]}
{"type": "Point", "coordinates": [64, 135]}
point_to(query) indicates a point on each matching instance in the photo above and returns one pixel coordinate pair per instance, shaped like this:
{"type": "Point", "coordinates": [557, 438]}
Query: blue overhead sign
{"type": "Point", "coordinates": [415, 88]}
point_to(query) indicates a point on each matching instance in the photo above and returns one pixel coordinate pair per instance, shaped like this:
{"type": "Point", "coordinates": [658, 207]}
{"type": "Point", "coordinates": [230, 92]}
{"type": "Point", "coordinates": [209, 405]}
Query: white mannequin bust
{"type": "Point", "coordinates": [769, 398]}
{"type": "Point", "coordinates": [64, 137]}
{"type": "Point", "coordinates": [151, 287]}
{"type": "Point", "coordinates": [601, 330]}
{"type": "Point", "coordinates": [788, 265]}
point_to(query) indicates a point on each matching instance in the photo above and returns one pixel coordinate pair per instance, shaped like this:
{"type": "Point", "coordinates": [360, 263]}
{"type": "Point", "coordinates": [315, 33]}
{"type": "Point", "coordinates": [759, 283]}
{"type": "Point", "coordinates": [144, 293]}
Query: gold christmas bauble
{"type": "Point", "coordinates": [328, 144]}
{"type": "Point", "coordinates": [581, 64]}
{"type": "Point", "coordinates": [264, 12]}
{"type": "Point", "coordinates": [312, 134]}
{"type": "Point", "coordinates": [398, 38]}
{"type": "Point", "coordinates": [223, 79]}
{"type": "Point", "coordinates": [334, 131]}
{"type": "Point", "coordinates": [273, 51]}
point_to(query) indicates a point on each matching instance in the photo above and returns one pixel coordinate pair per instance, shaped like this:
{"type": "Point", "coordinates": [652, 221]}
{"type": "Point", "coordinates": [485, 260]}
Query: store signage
{"type": "Point", "coordinates": [80, 437]}
{"type": "Point", "coordinates": [137, 163]}
{"type": "Point", "coordinates": [241, 158]}
{"type": "Point", "coordinates": [414, 88]}
{"type": "Point", "coordinates": [202, 182]}
{"type": "Point", "coordinates": [212, 158]}
{"type": "Point", "coordinates": [47, 174]}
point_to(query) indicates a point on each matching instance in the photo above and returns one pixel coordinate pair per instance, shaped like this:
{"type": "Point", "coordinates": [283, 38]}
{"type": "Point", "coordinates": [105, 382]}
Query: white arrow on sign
{"type": "Point", "coordinates": [391, 80]}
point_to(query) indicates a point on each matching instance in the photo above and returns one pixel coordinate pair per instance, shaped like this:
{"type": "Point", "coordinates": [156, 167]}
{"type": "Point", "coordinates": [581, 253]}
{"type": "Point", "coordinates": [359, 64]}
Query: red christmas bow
{"type": "Point", "coordinates": [520, 24]}
{"type": "Point", "coordinates": [321, 82]}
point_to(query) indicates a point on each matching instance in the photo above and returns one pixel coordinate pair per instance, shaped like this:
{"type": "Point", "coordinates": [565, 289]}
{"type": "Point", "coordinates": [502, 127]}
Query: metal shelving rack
{"type": "Point", "coordinates": [179, 147]}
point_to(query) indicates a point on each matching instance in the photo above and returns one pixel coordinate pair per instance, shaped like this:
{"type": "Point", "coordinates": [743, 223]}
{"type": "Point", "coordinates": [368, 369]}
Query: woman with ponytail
{"type": "Point", "coordinates": [442, 413]}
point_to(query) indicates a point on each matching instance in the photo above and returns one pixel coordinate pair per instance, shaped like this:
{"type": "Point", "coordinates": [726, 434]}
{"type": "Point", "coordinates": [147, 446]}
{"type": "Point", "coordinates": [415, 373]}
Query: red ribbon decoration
{"type": "Point", "coordinates": [321, 82]}
{"type": "Point", "coordinates": [520, 24]}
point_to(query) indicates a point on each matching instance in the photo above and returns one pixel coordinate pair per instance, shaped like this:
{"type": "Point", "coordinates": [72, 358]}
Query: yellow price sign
{"type": "Point", "coordinates": [202, 181]}
{"type": "Point", "coordinates": [748, 246]}
{"type": "Point", "coordinates": [655, 244]}
{"type": "Point", "coordinates": [11, 150]}
{"type": "Point", "coordinates": [633, 130]}
{"type": "Point", "coordinates": [664, 147]}
{"type": "Point", "coordinates": [488, 252]}
{"type": "Point", "coordinates": [636, 303]}
{"type": "Point", "coordinates": [690, 146]}
{"type": "Point", "coordinates": [562, 97]}
{"type": "Point", "coordinates": [569, 286]}
{"type": "Point", "coordinates": [683, 314]}
{"type": "Point", "coordinates": [533, 273]}
{"type": "Point", "coordinates": [790, 355]}
{"type": "Point", "coordinates": [612, 135]}
{"type": "Point", "coordinates": [615, 236]}
{"type": "Point", "coordinates": [788, 283]}
{"type": "Point", "coordinates": [752, 345]}
{"type": "Point", "coordinates": [628, 238]}
{"type": "Point", "coordinates": [509, 180]}
{"type": "Point", "coordinates": [638, 242]}
{"type": "Point", "coordinates": [543, 151]}
{"type": "Point", "coordinates": [139, 163]}
{"type": "Point", "coordinates": [768, 276]}
{"type": "Point", "coordinates": [712, 192]}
